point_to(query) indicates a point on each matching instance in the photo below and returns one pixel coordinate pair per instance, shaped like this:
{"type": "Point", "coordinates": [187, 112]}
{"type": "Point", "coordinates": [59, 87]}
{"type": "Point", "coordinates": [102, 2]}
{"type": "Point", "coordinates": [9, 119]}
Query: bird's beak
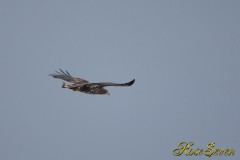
{"type": "Point", "coordinates": [108, 93]}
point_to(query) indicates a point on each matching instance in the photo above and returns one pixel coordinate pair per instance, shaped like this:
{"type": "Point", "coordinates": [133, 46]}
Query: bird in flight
{"type": "Point", "coordinates": [84, 86]}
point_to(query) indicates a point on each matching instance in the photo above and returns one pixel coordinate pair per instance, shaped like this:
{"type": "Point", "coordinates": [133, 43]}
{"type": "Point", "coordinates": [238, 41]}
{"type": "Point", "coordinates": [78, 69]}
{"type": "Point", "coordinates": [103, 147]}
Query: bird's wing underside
{"type": "Point", "coordinates": [68, 77]}
{"type": "Point", "coordinates": [105, 84]}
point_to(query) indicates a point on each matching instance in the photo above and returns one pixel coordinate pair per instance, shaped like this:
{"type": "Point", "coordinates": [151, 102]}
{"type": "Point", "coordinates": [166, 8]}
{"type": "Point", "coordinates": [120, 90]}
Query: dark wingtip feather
{"type": "Point", "coordinates": [63, 72]}
{"type": "Point", "coordinates": [131, 82]}
{"type": "Point", "coordinates": [53, 75]}
{"type": "Point", "coordinates": [69, 74]}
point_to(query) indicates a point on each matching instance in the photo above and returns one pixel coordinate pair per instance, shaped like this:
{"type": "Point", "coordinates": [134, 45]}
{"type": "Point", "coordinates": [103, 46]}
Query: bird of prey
{"type": "Point", "coordinates": [82, 85]}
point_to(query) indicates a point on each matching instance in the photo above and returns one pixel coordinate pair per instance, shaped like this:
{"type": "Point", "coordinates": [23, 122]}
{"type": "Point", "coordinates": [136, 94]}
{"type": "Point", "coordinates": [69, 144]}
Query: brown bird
{"type": "Point", "coordinates": [82, 85]}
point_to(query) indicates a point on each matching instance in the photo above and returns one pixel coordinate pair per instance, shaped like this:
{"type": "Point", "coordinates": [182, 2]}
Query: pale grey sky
{"type": "Point", "coordinates": [184, 56]}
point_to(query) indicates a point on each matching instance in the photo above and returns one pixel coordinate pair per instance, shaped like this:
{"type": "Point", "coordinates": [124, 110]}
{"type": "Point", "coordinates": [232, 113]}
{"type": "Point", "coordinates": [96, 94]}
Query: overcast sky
{"type": "Point", "coordinates": [184, 55]}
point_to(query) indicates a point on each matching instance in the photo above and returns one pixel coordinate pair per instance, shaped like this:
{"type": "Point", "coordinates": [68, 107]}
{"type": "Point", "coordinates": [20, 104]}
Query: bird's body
{"type": "Point", "coordinates": [84, 86]}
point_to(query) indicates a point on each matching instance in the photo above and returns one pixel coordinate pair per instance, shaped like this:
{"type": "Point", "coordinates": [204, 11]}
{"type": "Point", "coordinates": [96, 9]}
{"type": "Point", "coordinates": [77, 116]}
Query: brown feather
{"type": "Point", "coordinates": [83, 85]}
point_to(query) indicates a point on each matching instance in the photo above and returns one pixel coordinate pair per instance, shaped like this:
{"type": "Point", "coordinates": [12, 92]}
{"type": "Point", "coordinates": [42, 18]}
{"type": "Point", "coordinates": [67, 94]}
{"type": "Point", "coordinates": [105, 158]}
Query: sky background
{"type": "Point", "coordinates": [184, 55]}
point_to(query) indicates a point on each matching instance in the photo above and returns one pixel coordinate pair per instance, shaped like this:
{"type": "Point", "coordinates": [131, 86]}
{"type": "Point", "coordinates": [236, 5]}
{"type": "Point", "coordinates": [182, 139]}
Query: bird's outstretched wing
{"type": "Point", "coordinates": [67, 77]}
{"type": "Point", "coordinates": [105, 84]}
